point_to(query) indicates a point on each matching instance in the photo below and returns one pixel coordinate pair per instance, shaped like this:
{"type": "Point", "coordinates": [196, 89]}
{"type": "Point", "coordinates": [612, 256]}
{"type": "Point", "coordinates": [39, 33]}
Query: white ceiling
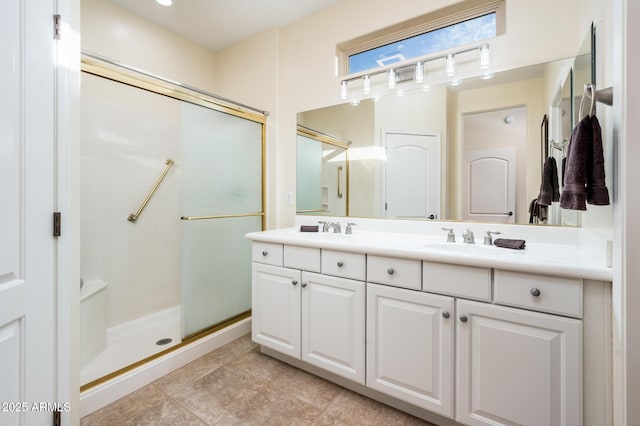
{"type": "Point", "coordinates": [215, 24]}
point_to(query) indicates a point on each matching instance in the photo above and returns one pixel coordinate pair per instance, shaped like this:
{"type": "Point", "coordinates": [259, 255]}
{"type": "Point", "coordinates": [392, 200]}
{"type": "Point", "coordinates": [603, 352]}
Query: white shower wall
{"type": "Point", "coordinates": [126, 140]}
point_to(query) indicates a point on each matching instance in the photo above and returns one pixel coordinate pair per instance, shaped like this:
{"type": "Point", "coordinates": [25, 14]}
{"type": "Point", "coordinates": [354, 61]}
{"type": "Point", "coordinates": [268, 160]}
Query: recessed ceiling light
{"type": "Point", "coordinates": [165, 2]}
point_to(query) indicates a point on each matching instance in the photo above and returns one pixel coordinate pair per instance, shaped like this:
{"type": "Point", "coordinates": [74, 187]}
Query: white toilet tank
{"type": "Point", "coordinates": [93, 320]}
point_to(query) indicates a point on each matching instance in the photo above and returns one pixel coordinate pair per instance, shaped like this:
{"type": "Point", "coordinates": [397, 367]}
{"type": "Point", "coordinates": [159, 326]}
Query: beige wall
{"type": "Point", "coordinates": [120, 35]}
{"type": "Point", "coordinates": [307, 50]}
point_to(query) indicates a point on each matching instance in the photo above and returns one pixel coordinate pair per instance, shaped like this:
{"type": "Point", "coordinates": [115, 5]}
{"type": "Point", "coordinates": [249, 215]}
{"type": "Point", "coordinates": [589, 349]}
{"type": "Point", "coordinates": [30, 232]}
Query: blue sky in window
{"type": "Point", "coordinates": [473, 30]}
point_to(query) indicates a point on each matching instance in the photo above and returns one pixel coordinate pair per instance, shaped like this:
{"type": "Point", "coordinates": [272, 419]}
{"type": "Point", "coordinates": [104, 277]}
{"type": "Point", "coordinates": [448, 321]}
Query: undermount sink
{"type": "Point", "coordinates": [473, 249]}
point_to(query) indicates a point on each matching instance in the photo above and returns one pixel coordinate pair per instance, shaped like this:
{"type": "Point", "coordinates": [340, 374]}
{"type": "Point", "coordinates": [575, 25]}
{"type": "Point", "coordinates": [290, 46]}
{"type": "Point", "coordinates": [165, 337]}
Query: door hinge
{"type": "Point", "coordinates": [57, 421]}
{"type": "Point", "coordinates": [57, 224]}
{"type": "Point", "coordinates": [57, 19]}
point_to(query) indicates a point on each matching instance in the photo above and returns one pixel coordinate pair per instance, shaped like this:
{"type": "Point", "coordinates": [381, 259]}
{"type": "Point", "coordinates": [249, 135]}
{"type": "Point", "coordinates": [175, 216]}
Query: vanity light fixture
{"type": "Point", "coordinates": [415, 72]}
{"type": "Point", "coordinates": [449, 65]}
{"type": "Point", "coordinates": [344, 91]}
{"type": "Point", "coordinates": [366, 85]}
{"type": "Point", "coordinates": [165, 2]}
{"type": "Point", "coordinates": [485, 58]}
{"type": "Point", "coordinates": [419, 72]}
{"type": "Point", "coordinates": [391, 78]}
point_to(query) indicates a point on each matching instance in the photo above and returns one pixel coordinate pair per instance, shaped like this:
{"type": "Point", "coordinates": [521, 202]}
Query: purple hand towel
{"type": "Point", "coordinates": [549, 188]}
{"type": "Point", "coordinates": [574, 194]}
{"type": "Point", "coordinates": [584, 179]}
{"type": "Point", "coordinates": [597, 192]}
{"type": "Point", "coordinates": [511, 244]}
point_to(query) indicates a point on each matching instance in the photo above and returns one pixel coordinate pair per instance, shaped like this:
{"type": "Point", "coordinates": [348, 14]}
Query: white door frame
{"type": "Point", "coordinates": [67, 50]}
{"type": "Point", "coordinates": [383, 173]}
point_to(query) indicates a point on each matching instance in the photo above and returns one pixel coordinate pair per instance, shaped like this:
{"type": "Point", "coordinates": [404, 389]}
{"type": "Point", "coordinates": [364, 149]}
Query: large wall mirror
{"type": "Point", "coordinates": [471, 152]}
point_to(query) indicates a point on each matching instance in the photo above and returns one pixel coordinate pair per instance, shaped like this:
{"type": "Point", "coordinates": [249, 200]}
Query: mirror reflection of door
{"type": "Point", "coordinates": [411, 175]}
{"type": "Point", "coordinates": [492, 143]}
{"type": "Point", "coordinates": [489, 185]}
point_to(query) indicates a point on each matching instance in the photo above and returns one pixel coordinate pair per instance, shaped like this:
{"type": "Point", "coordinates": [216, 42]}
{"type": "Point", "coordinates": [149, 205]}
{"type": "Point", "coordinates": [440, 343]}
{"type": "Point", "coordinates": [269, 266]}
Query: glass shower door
{"type": "Point", "coordinates": [221, 202]}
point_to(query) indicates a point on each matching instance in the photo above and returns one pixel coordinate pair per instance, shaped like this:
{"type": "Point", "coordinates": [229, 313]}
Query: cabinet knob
{"type": "Point", "coordinates": [294, 282]}
{"type": "Point", "coordinates": [463, 318]}
{"type": "Point", "coordinates": [303, 285]}
{"type": "Point", "coordinates": [390, 271]}
{"type": "Point", "coordinates": [445, 314]}
{"type": "Point", "coordinates": [535, 292]}
{"type": "Point", "coordinates": [264, 253]}
{"type": "Point", "coordinates": [340, 264]}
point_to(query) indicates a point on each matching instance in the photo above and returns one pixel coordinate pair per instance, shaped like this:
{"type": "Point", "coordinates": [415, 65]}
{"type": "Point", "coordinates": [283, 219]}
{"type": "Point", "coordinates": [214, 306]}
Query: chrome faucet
{"type": "Point", "coordinates": [451, 237]}
{"type": "Point", "coordinates": [325, 225]}
{"type": "Point", "coordinates": [467, 237]}
{"type": "Point", "coordinates": [348, 229]}
{"type": "Point", "coordinates": [337, 228]}
{"type": "Point", "coordinates": [488, 240]}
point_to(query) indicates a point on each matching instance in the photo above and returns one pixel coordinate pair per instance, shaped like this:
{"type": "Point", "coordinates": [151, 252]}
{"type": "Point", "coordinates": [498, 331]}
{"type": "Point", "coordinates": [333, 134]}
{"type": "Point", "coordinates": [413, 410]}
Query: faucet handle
{"type": "Point", "coordinates": [348, 229]}
{"type": "Point", "coordinates": [488, 240]}
{"type": "Point", "coordinates": [325, 225]}
{"type": "Point", "coordinates": [451, 237]}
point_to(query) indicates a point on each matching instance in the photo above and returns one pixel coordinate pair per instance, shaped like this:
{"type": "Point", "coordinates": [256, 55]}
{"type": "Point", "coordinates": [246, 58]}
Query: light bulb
{"type": "Point", "coordinates": [485, 58]}
{"type": "Point", "coordinates": [419, 74]}
{"type": "Point", "coordinates": [366, 85]}
{"type": "Point", "coordinates": [450, 66]}
{"type": "Point", "coordinates": [165, 2]}
{"type": "Point", "coordinates": [391, 79]}
{"type": "Point", "coordinates": [343, 90]}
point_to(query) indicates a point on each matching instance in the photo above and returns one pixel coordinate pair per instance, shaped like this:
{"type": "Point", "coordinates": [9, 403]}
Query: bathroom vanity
{"type": "Point", "coordinates": [475, 334]}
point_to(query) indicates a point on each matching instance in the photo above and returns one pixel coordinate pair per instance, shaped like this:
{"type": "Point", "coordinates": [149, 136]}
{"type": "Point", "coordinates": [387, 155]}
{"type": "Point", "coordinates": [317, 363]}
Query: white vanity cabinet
{"type": "Point", "coordinates": [410, 346]}
{"type": "Point", "coordinates": [517, 367]}
{"type": "Point", "coordinates": [309, 316]}
{"type": "Point", "coordinates": [474, 344]}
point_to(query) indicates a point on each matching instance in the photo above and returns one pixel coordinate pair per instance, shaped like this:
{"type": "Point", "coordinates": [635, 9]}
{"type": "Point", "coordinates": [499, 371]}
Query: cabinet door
{"type": "Point", "coordinates": [517, 367]}
{"type": "Point", "coordinates": [333, 324]}
{"type": "Point", "coordinates": [410, 346]}
{"type": "Point", "coordinates": [275, 308]}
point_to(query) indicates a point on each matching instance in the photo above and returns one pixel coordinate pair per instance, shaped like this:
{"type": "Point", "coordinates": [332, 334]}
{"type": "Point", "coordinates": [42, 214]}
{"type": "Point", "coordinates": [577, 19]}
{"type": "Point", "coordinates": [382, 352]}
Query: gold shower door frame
{"type": "Point", "coordinates": [105, 68]}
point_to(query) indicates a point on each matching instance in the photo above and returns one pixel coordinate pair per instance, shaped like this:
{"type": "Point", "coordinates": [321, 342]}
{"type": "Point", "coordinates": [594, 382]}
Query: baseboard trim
{"type": "Point", "coordinates": [104, 394]}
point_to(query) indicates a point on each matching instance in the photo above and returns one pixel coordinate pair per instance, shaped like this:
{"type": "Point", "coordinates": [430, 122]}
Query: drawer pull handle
{"type": "Point", "coordinates": [390, 271]}
{"type": "Point", "coordinates": [535, 292]}
{"type": "Point", "coordinates": [264, 253]}
{"type": "Point", "coordinates": [445, 314]}
{"type": "Point", "coordinates": [463, 318]}
{"type": "Point", "coordinates": [340, 264]}
{"type": "Point", "coordinates": [294, 282]}
{"type": "Point", "coordinates": [303, 285]}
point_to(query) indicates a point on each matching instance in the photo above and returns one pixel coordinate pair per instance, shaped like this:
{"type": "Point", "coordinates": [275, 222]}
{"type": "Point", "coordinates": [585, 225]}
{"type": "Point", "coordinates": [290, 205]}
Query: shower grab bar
{"type": "Point", "coordinates": [339, 179]}
{"type": "Point", "coordinates": [134, 216]}
{"type": "Point", "coordinates": [221, 216]}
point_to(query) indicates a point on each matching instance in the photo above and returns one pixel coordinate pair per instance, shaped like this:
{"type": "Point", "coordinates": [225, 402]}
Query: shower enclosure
{"type": "Point", "coordinates": [172, 179]}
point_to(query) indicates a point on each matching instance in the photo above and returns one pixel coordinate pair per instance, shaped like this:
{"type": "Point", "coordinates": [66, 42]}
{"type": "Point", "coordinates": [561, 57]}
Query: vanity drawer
{"type": "Point", "coordinates": [305, 258]}
{"type": "Point", "coordinates": [539, 292]}
{"type": "Point", "coordinates": [393, 271]}
{"type": "Point", "coordinates": [269, 253]}
{"type": "Point", "coordinates": [465, 281]}
{"type": "Point", "coordinates": [343, 264]}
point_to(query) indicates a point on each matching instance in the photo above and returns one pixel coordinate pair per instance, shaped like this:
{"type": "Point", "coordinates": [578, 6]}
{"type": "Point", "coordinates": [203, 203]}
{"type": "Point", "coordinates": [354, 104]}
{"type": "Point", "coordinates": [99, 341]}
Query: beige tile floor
{"type": "Point", "coordinates": [237, 385]}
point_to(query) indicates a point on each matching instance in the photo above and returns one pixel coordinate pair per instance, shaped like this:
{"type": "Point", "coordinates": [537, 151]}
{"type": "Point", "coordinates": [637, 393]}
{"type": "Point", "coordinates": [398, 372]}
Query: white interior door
{"type": "Point", "coordinates": [27, 245]}
{"type": "Point", "coordinates": [411, 176]}
{"type": "Point", "coordinates": [489, 185]}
